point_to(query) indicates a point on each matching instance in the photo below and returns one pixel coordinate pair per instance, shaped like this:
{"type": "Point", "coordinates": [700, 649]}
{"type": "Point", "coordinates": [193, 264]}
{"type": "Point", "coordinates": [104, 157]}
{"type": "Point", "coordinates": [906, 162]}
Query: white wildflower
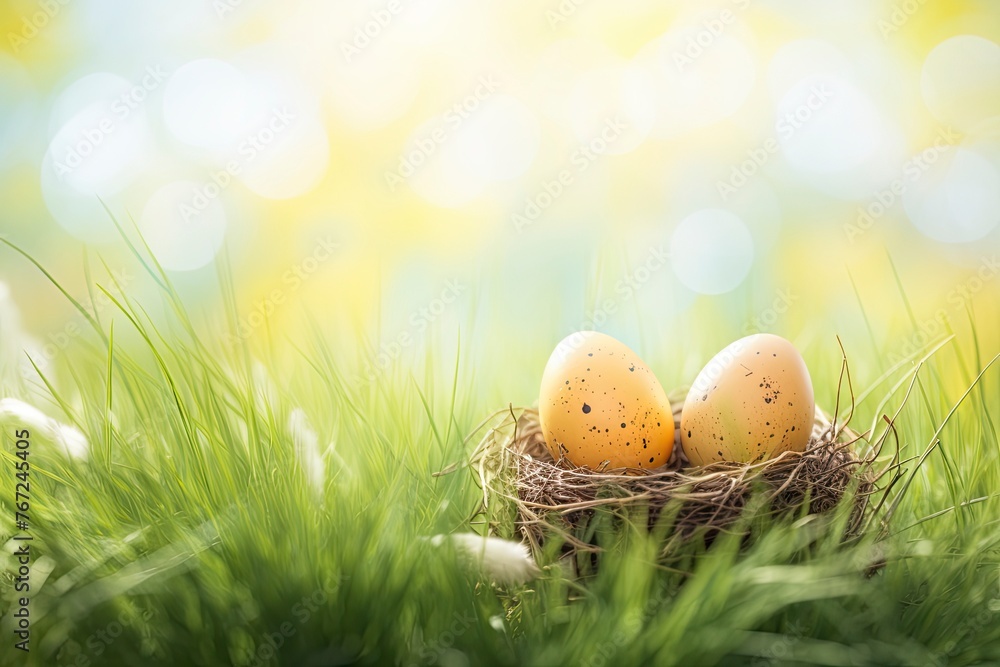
{"type": "Point", "coordinates": [16, 345]}
{"type": "Point", "coordinates": [504, 561]}
{"type": "Point", "coordinates": [307, 449]}
{"type": "Point", "coordinates": [69, 438]}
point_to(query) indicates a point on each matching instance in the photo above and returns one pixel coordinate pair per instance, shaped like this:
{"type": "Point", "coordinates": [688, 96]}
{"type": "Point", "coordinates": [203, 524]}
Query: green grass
{"type": "Point", "coordinates": [191, 535]}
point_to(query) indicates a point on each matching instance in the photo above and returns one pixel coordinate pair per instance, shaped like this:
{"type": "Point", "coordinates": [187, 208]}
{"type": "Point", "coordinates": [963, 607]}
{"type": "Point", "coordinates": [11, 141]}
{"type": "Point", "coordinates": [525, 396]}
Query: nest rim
{"type": "Point", "coordinates": [550, 495]}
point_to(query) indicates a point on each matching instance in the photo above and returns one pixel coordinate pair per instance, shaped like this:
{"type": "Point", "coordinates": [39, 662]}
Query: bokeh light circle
{"type": "Point", "coordinates": [79, 214]}
{"type": "Point", "coordinates": [184, 224]}
{"type": "Point", "coordinates": [287, 158]}
{"type": "Point", "coordinates": [434, 170]}
{"type": "Point", "coordinates": [97, 152]}
{"type": "Point", "coordinates": [957, 198]}
{"type": "Point", "coordinates": [100, 133]}
{"type": "Point", "coordinates": [375, 87]}
{"type": "Point", "coordinates": [803, 58]}
{"type": "Point", "coordinates": [497, 142]}
{"type": "Point", "coordinates": [209, 103]}
{"type": "Point", "coordinates": [450, 159]}
{"type": "Point", "coordinates": [699, 78]}
{"type": "Point", "coordinates": [825, 124]}
{"type": "Point", "coordinates": [711, 251]}
{"type": "Point", "coordinates": [101, 137]}
{"type": "Point", "coordinates": [557, 70]}
{"type": "Point", "coordinates": [960, 80]}
{"type": "Point", "coordinates": [612, 103]}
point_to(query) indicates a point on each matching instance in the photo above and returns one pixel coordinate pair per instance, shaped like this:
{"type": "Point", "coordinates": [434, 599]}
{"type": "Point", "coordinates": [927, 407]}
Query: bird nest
{"type": "Point", "coordinates": [525, 490]}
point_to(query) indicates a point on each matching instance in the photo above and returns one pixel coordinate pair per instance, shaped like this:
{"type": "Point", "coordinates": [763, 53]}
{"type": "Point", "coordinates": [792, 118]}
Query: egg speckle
{"type": "Point", "coordinates": [613, 412]}
{"type": "Point", "coordinates": [755, 384]}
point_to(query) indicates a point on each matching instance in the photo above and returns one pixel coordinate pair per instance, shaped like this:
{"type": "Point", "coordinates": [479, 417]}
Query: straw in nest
{"type": "Point", "coordinates": [525, 488]}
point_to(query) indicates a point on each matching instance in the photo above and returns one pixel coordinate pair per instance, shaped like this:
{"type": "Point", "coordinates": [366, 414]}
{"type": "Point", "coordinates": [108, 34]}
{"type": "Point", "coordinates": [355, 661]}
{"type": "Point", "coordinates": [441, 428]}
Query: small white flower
{"type": "Point", "coordinates": [505, 561]}
{"type": "Point", "coordinates": [70, 439]}
{"type": "Point", "coordinates": [16, 345]}
{"type": "Point", "coordinates": [307, 449]}
{"type": "Point", "coordinates": [496, 622]}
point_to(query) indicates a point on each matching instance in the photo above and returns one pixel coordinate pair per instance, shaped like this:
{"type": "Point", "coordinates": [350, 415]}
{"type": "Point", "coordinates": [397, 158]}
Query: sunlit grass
{"type": "Point", "coordinates": [193, 534]}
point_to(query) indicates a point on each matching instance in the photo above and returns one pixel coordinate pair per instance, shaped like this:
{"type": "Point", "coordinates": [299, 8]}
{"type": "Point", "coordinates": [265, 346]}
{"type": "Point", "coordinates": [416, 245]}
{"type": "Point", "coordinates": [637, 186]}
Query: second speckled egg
{"type": "Point", "coordinates": [751, 402]}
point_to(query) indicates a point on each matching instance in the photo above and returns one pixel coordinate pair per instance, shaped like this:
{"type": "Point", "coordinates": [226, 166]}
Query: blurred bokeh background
{"type": "Point", "coordinates": [420, 176]}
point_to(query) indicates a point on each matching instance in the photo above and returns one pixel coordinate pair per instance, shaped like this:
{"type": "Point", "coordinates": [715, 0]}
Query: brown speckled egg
{"type": "Point", "coordinates": [751, 402]}
{"type": "Point", "coordinates": [599, 402]}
